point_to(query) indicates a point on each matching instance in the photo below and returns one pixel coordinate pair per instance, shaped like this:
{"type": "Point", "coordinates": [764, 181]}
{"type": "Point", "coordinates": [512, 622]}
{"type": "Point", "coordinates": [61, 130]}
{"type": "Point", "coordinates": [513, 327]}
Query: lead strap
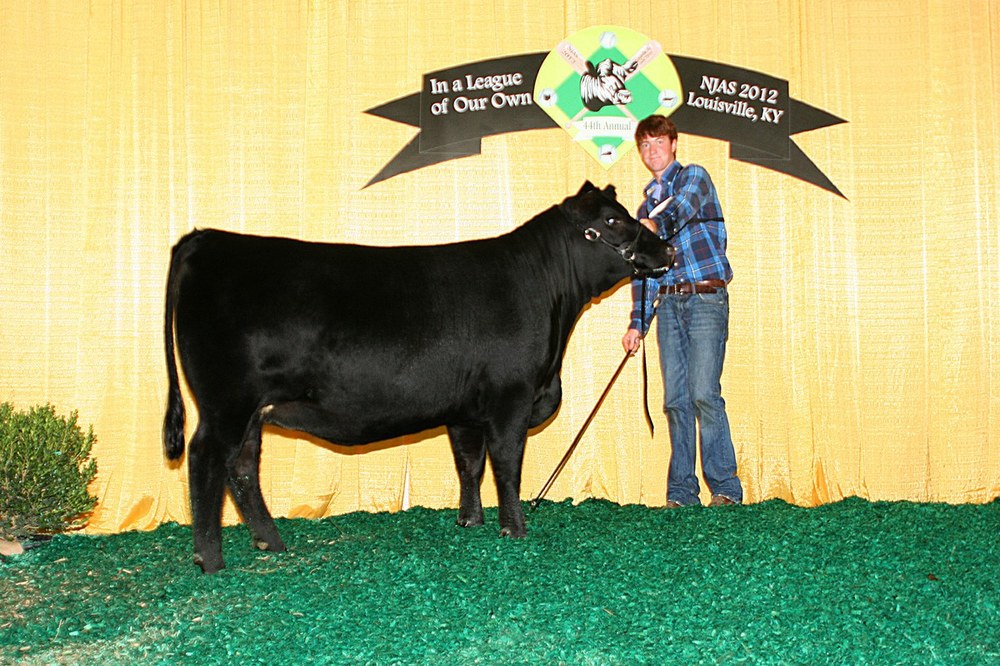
{"type": "Point", "coordinates": [645, 375]}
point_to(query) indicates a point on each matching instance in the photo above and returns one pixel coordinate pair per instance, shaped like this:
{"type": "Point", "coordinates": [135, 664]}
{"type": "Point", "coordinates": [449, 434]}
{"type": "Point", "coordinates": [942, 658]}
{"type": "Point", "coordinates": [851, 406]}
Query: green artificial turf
{"type": "Point", "coordinates": [848, 583]}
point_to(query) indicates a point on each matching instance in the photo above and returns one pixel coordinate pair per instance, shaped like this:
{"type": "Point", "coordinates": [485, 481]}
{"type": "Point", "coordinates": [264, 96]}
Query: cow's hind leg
{"type": "Point", "coordinates": [244, 483]}
{"type": "Point", "coordinates": [206, 481]}
{"type": "Point", "coordinates": [469, 449]}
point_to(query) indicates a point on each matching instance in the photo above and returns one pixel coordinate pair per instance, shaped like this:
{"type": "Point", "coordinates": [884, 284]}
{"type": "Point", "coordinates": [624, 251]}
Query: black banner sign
{"type": "Point", "coordinates": [459, 106]}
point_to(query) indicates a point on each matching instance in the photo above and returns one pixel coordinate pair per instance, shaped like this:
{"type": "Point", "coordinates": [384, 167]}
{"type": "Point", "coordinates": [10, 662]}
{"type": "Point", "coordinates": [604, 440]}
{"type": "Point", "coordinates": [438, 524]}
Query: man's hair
{"type": "Point", "coordinates": [655, 125]}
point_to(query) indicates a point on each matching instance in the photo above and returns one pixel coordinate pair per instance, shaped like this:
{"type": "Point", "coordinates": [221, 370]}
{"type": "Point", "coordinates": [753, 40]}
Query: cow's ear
{"type": "Point", "coordinates": [587, 187]}
{"type": "Point", "coordinates": [610, 192]}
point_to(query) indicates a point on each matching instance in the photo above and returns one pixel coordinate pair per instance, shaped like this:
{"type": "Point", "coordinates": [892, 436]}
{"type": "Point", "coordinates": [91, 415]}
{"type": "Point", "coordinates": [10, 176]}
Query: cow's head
{"type": "Point", "coordinates": [604, 85]}
{"type": "Point", "coordinates": [601, 218]}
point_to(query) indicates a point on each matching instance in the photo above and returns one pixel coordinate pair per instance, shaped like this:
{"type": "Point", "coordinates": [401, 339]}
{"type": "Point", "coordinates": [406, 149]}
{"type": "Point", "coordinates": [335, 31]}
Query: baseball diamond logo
{"type": "Point", "coordinates": [599, 98]}
{"type": "Point", "coordinates": [596, 85]}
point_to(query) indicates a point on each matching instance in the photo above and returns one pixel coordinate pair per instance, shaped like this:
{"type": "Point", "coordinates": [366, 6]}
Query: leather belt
{"type": "Point", "coordinates": [700, 287]}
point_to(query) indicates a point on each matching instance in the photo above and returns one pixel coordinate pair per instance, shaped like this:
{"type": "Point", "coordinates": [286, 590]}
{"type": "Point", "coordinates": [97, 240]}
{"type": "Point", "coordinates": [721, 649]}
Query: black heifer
{"type": "Point", "coordinates": [355, 344]}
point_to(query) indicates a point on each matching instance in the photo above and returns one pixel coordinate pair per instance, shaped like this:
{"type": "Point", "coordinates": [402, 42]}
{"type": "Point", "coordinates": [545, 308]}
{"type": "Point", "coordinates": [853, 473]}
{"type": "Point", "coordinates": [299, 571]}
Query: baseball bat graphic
{"type": "Point", "coordinates": [645, 55]}
{"type": "Point", "coordinates": [572, 57]}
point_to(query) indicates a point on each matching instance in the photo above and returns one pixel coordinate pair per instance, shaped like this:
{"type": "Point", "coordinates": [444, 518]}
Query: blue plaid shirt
{"type": "Point", "coordinates": [695, 215]}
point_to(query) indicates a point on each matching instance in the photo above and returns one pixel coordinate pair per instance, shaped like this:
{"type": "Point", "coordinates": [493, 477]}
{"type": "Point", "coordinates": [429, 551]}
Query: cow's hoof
{"type": "Point", "coordinates": [469, 522]}
{"type": "Point", "coordinates": [208, 567]}
{"type": "Point", "coordinates": [513, 533]}
{"type": "Point", "coordinates": [276, 547]}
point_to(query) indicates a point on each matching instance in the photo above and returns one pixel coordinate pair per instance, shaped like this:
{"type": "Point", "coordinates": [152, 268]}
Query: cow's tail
{"type": "Point", "coordinates": [173, 421]}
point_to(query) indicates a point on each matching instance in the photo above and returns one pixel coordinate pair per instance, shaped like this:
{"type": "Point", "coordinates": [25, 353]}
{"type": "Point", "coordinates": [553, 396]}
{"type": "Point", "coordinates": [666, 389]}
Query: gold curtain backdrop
{"type": "Point", "coordinates": [864, 352]}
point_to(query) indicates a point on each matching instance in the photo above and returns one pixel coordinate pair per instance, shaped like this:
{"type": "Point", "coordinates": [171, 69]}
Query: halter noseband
{"type": "Point", "coordinates": [626, 251]}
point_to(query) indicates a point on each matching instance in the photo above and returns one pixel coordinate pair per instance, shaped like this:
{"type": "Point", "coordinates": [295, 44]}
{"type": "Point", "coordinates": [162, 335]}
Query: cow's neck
{"type": "Point", "coordinates": [578, 270]}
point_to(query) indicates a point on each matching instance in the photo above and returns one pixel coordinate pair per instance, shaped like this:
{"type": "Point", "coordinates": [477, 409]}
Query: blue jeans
{"type": "Point", "coordinates": [692, 330]}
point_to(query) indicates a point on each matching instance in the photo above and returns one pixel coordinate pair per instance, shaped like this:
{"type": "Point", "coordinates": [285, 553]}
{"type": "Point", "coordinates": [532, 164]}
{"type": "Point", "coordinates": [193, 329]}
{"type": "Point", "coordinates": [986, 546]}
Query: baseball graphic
{"type": "Point", "coordinates": [668, 98]}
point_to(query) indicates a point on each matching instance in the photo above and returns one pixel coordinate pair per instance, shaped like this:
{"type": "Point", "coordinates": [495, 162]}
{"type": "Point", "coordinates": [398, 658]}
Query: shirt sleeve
{"type": "Point", "coordinates": [643, 309]}
{"type": "Point", "coordinates": [692, 187]}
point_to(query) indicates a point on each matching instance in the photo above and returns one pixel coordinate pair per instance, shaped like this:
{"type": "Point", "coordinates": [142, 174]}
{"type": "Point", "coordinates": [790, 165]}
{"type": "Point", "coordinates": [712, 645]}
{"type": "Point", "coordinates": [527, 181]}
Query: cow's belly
{"type": "Point", "coordinates": [370, 401]}
{"type": "Point", "coordinates": [340, 427]}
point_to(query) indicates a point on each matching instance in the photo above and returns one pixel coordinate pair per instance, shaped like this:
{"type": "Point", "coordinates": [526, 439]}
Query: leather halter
{"type": "Point", "coordinates": [626, 251]}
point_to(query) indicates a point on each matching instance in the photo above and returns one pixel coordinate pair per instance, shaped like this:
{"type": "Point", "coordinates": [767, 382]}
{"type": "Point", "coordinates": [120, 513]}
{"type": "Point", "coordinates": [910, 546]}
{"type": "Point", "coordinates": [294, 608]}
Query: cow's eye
{"type": "Point", "coordinates": [611, 221]}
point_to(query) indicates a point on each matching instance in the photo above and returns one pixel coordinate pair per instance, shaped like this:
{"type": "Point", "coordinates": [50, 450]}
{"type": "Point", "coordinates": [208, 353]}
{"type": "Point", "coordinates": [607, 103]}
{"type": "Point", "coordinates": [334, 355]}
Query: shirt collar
{"type": "Point", "coordinates": [664, 187]}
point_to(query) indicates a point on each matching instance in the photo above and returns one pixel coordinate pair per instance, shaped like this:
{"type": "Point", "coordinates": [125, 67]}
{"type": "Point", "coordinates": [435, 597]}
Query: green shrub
{"type": "Point", "coordinates": [44, 472]}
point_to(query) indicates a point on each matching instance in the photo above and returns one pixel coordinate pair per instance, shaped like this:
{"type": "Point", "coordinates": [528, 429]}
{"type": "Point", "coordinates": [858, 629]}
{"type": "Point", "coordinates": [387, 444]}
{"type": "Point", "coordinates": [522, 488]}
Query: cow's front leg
{"type": "Point", "coordinates": [506, 456]}
{"type": "Point", "coordinates": [469, 449]}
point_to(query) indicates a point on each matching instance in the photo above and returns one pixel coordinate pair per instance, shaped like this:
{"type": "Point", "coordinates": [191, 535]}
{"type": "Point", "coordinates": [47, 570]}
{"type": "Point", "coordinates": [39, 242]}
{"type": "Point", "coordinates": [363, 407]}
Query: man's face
{"type": "Point", "coordinates": [657, 152]}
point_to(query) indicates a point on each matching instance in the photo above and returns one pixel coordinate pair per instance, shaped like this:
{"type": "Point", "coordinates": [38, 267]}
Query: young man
{"type": "Point", "coordinates": [691, 304]}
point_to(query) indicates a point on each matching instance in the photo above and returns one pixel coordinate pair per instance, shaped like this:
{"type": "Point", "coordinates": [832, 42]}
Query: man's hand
{"type": "Point", "coordinates": [649, 224]}
{"type": "Point", "coordinates": [631, 341]}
